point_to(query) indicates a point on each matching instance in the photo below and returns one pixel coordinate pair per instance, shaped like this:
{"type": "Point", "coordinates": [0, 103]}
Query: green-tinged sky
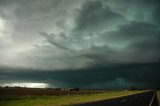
{"type": "Point", "coordinates": [80, 43]}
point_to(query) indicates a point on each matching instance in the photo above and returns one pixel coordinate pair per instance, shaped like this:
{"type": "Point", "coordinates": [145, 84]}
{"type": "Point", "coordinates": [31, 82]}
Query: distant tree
{"type": "Point", "coordinates": [16, 87]}
{"type": "Point", "coordinates": [6, 86]}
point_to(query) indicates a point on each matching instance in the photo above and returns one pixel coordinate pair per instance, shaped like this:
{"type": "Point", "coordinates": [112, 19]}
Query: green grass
{"type": "Point", "coordinates": [61, 100]}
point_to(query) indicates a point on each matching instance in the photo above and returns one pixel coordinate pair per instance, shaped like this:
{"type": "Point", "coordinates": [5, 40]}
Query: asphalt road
{"type": "Point", "coordinates": [142, 99]}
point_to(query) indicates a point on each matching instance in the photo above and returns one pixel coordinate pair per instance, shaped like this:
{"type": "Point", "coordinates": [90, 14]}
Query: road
{"type": "Point", "coordinates": [142, 99]}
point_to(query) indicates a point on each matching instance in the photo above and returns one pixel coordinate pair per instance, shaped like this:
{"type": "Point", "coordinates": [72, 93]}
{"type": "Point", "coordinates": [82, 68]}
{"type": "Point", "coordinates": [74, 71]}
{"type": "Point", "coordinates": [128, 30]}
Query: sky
{"type": "Point", "coordinates": [112, 44]}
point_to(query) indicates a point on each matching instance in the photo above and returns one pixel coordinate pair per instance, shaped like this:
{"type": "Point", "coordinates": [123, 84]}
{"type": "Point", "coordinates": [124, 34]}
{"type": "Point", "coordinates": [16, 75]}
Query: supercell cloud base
{"type": "Point", "coordinates": [80, 43]}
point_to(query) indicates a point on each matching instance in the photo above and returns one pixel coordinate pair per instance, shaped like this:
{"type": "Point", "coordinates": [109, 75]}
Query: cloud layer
{"type": "Point", "coordinates": [74, 37]}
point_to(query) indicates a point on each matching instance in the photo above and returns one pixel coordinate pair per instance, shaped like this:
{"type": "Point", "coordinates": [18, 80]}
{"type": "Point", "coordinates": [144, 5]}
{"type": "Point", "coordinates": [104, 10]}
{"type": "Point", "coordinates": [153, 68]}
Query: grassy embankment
{"type": "Point", "coordinates": [61, 100]}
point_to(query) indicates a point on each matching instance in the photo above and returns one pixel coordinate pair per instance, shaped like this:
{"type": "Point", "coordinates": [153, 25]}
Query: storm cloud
{"type": "Point", "coordinates": [87, 44]}
{"type": "Point", "coordinates": [112, 77]}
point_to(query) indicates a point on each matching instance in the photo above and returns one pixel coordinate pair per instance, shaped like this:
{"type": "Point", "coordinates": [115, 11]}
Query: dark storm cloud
{"type": "Point", "coordinates": [52, 41]}
{"type": "Point", "coordinates": [87, 43]}
{"type": "Point", "coordinates": [154, 4]}
{"type": "Point", "coordinates": [114, 76]}
{"type": "Point", "coordinates": [142, 40]}
{"type": "Point", "coordinates": [104, 56]}
{"type": "Point", "coordinates": [156, 15]}
{"type": "Point", "coordinates": [140, 10]}
{"type": "Point", "coordinates": [94, 16]}
{"type": "Point", "coordinates": [136, 30]}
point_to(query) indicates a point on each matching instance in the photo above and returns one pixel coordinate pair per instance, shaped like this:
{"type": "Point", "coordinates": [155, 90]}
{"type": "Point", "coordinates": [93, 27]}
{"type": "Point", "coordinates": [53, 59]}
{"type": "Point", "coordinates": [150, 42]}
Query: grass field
{"type": "Point", "coordinates": [61, 100]}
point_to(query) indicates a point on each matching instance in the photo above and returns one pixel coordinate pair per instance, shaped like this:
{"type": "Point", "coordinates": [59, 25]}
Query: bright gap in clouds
{"type": "Point", "coordinates": [28, 85]}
